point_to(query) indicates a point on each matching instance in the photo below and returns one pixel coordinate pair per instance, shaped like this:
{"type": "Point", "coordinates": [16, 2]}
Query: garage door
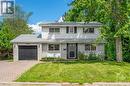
{"type": "Point", "coordinates": [27, 52]}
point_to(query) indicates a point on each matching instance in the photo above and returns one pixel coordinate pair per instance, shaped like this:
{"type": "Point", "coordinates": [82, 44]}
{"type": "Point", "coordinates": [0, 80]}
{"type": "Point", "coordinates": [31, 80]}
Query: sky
{"type": "Point", "coordinates": [44, 10]}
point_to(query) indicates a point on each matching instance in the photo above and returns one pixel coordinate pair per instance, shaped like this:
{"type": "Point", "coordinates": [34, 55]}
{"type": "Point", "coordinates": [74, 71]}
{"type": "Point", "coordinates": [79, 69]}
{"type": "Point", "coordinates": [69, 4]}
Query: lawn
{"type": "Point", "coordinates": [80, 72]}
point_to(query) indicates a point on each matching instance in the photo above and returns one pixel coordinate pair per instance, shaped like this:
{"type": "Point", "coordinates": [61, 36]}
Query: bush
{"type": "Point", "coordinates": [101, 57]}
{"type": "Point", "coordinates": [92, 56]}
{"type": "Point", "coordinates": [2, 57]}
{"type": "Point", "coordinates": [126, 59]}
{"type": "Point", "coordinates": [82, 56]}
{"type": "Point", "coordinates": [6, 58]}
{"type": "Point", "coordinates": [52, 59]}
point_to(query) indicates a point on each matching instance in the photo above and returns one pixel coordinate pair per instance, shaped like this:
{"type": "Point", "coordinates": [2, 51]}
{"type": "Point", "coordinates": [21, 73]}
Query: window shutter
{"type": "Point", "coordinates": [67, 29]}
{"type": "Point", "coordinates": [75, 29]}
{"type": "Point", "coordinates": [83, 30]}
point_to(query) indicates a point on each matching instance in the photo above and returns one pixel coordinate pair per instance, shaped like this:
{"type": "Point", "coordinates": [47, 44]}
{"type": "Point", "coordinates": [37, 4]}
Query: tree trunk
{"type": "Point", "coordinates": [118, 49]}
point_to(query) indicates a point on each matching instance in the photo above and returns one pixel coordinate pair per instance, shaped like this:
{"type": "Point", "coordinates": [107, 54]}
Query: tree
{"type": "Point", "coordinates": [12, 27]}
{"type": "Point", "coordinates": [5, 36]}
{"type": "Point", "coordinates": [113, 14]}
{"type": "Point", "coordinates": [21, 15]}
{"type": "Point", "coordinates": [120, 23]}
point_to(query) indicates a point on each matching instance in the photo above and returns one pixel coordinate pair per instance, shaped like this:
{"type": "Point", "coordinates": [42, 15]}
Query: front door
{"type": "Point", "coordinates": [72, 51]}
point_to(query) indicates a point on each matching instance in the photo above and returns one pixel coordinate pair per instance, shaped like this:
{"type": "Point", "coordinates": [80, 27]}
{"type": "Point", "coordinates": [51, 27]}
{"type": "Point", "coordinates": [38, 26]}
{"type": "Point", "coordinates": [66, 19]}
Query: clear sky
{"type": "Point", "coordinates": [44, 10]}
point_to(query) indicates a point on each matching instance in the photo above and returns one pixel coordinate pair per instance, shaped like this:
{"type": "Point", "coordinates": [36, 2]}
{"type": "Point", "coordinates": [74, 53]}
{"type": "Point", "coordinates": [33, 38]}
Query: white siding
{"type": "Point", "coordinates": [45, 33]}
{"type": "Point", "coordinates": [64, 35]}
{"type": "Point", "coordinates": [44, 50]}
{"type": "Point", "coordinates": [99, 49]}
{"type": "Point", "coordinates": [64, 51]}
{"type": "Point", "coordinates": [47, 53]}
{"type": "Point", "coordinates": [15, 52]}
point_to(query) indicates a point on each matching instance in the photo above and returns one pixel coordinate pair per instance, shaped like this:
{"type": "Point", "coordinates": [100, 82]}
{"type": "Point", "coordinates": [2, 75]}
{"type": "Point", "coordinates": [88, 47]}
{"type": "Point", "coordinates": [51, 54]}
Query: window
{"type": "Point", "coordinates": [54, 47]}
{"type": "Point", "coordinates": [91, 30]}
{"type": "Point", "coordinates": [71, 29]}
{"type": "Point", "coordinates": [90, 47]}
{"type": "Point", "coordinates": [88, 30]}
{"type": "Point", "coordinates": [93, 47]}
{"type": "Point", "coordinates": [54, 30]}
{"type": "Point", "coordinates": [87, 47]}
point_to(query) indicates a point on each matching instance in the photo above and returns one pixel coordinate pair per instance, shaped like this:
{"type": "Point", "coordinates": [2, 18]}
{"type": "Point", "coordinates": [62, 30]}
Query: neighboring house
{"type": "Point", "coordinates": [64, 40]}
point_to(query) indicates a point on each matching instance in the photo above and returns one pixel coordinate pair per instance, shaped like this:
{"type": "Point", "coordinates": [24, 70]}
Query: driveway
{"type": "Point", "coordinates": [10, 71]}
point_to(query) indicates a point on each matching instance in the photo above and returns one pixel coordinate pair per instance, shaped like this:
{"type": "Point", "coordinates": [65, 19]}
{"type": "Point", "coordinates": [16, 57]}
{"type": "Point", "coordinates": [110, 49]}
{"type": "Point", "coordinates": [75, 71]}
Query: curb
{"type": "Point", "coordinates": [62, 84]}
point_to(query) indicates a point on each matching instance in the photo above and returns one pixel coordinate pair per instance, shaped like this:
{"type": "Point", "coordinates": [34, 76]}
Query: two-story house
{"type": "Point", "coordinates": [63, 40]}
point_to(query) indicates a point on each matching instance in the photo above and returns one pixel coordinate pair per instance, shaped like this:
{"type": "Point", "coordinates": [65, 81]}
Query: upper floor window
{"type": "Point", "coordinates": [71, 29]}
{"type": "Point", "coordinates": [54, 30]}
{"type": "Point", "coordinates": [54, 47]}
{"type": "Point", "coordinates": [90, 47]}
{"type": "Point", "coordinates": [88, 30]}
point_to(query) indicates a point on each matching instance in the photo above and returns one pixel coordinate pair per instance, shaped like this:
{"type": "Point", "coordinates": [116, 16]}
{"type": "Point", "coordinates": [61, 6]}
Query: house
{"type": "Point", "coordinates": [64, 40]}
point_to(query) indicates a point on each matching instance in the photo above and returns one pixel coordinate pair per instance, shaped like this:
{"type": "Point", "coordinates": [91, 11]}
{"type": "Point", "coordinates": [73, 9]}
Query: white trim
{"type": "Point", "coordinates": [54, 51]}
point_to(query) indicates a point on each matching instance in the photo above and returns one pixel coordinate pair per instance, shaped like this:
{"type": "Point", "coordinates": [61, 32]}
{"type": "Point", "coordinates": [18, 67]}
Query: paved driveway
{"type": "Point", "coordinates": [10, 71]}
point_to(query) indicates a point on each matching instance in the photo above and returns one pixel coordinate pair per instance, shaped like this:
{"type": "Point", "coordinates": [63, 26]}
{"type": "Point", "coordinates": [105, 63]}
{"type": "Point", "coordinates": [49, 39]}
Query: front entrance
{"type": "Point", "coordinates": [71, 51]}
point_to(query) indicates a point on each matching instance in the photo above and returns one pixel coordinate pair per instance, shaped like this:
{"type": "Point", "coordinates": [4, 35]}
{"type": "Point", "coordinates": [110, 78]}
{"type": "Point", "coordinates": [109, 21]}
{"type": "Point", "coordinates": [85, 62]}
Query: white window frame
{"type": "Point", "coordinates": [54, 47]}
{"type": "Point", "coordinates": [88, 30]}
{"type": "Point", "coordinates": [90, 46]}
{"type": "Point", "coordinates": [71, 30]}
{"type": "Point", "coordinates": [54, 30]}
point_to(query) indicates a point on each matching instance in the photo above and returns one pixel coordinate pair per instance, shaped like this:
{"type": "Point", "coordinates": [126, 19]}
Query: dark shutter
{"type": "Point", "coordinates": [83, 30]}
{"type": "Point", "coordinates": [67, 29]}
{"type": "Point", "coordinates": [75, 29]}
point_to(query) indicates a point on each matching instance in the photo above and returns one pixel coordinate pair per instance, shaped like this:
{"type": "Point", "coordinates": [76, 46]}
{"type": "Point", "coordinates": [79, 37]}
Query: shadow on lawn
{"type": "Point", "coordinates": [93, 62]}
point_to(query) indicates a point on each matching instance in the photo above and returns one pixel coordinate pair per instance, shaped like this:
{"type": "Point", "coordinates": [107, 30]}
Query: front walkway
{"type": "Point", "coordinates": [10, 71]}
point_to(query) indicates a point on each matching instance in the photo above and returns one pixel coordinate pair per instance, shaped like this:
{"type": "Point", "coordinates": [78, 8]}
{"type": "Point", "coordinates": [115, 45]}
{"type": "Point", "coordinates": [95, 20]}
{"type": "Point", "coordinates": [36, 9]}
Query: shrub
{"type": "Point", "coordinates": [126, 59]}
{"type": "Point", "coordinates": [82, 56]}
{"type": "Point", "coordinates": [52, 59]}
{"type": "Point", "coordinates": [92, 56]}
{"type": "Point", "coordinates": [101, 57]}
{"type": "Point", "coordinates": [5, 57]}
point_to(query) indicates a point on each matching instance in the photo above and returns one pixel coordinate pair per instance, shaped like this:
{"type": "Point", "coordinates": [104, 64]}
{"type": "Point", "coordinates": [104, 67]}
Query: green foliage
{"type": "Point", "coordinates": [126, 49]}
{"type": "Point", "coordinates": [5, 36]}
{"type": "Point", "coordinates": [82, 56]}
{"type": "Point", "coordinates": [51, 59]}
{"type": "Point", "coordinates": [21, 15]}
{"type": "Point", "coordinates": [87, 10]}
{"type": "Point", "coordinates": [113, 14]}
{"type": "Point", "coordinates": [101, 57]}
{"type": "Point", "coordinates": [11, 28]}
{"type": "Point", "coordinates": [110, 52]}
{"type": "Point", "coordinates": [10, 57]}
{"type": "Point", "coordinates": [92, 56]}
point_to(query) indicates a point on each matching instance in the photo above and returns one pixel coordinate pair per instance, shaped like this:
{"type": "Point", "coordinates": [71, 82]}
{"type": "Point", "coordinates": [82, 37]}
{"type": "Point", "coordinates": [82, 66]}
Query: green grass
{"type": "Point", "coordinates": [80, 72]}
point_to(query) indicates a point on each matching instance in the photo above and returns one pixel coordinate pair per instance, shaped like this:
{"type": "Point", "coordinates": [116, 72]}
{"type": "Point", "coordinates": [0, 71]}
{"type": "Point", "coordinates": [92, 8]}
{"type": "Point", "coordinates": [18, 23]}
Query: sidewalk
{"type": "Point", "coordinates": [60, 84]}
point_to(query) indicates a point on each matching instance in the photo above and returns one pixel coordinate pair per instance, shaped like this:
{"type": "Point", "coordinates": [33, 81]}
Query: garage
{"type": "Point", "coordinates": [27, 52]}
